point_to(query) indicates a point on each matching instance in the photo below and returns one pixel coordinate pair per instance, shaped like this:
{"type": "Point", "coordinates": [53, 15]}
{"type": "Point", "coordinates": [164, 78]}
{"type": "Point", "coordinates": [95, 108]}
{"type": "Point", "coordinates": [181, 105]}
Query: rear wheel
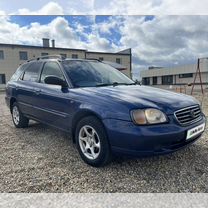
{"type": "Point", "coordinates": [19, 120]}
{"type": "Point", "coordinates": [92, 142]}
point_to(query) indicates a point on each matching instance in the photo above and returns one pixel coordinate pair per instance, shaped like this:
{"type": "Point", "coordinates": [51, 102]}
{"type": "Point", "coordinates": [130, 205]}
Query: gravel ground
{"type": "Point", "coordinates": [42, 159]}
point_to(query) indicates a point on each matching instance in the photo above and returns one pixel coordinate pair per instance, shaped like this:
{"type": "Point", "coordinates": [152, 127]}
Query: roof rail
{"type": "Point", "coordinates": [47, 57]}
{"type": "Point", "coordinates": [93, 59]}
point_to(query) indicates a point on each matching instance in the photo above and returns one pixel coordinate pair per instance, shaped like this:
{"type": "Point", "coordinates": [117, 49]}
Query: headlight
{"type": "Point", "coordinates": [148, 116]}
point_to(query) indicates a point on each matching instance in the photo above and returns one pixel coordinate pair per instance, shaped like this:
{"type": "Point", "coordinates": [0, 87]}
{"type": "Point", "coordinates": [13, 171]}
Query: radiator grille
{"type": "Point", "coordinates": [188, 115]}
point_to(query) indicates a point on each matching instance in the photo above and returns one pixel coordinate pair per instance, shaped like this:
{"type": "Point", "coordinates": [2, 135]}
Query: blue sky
{"type": "Point", "coordinates": [155, 40]}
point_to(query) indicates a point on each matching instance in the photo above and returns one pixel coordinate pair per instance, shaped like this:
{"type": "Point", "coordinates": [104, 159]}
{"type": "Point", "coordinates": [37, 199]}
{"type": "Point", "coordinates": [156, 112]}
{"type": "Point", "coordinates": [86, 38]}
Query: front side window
{"type": "Point", "coordinates": [32, 72]}
{"type": "Point", "coordinates": [51, 69]}
{"type": "Point", "coordinates": [23, 55]}
{"type": "Point", "coordinates": [93, 73]}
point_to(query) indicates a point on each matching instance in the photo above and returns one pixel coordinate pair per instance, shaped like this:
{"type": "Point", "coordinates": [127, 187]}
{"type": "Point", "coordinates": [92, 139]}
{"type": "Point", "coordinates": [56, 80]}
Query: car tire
{"type": "Point", "coordinates": [19, 120]}
{"type": "Point", "coordinates": [92, 142]}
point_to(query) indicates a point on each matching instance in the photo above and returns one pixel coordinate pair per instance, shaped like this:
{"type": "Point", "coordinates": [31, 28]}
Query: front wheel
{"type": "Point", "coordinates": [19, 120]}
{"type": "Point", "coordinates": [92, 142]}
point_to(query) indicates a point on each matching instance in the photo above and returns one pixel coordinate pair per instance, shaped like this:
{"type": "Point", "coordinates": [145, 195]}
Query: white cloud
{"type": "Point", "coordinates": [108, 7]}
{"type": "Point", "coordinates": [51, 8]}
{"type": "Point", "coordinates": [2, 12]}
{"type": "Point", "coordinates": [161, 41]}
{"type": "Point", "coordinates": [165, 40]}
{"type": "Point", "coordinates": [58, 29]}
{"type": "Point", "coordinates": [153, 7]}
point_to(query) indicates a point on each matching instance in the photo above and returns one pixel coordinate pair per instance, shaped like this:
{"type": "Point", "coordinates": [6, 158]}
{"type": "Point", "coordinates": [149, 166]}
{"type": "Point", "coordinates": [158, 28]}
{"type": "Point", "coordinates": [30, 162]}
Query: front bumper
{"type": "Point", "coordinates": [128, 138]}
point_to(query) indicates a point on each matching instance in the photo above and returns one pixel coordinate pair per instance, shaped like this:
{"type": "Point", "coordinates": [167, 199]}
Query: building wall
{"type": "Point", "coordinates": [125, 59]}
{"type": "Point", "coordinates": [177, 71]}
{"type": "Point", "coordinates": [183, 81]}
{"type": "Point", "coordinates": [11, 60]}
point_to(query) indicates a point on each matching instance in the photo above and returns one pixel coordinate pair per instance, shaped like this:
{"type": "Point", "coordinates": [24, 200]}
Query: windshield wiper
{"type": "Point", "coordinates": [135, 83]}
{"type": "Point", "coordinates": [110, 84]}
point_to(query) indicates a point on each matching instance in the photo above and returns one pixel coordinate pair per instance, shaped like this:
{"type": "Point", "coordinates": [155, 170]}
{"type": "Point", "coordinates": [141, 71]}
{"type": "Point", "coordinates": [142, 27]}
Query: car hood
{"type": "Point", "coordinates": [136, 96]}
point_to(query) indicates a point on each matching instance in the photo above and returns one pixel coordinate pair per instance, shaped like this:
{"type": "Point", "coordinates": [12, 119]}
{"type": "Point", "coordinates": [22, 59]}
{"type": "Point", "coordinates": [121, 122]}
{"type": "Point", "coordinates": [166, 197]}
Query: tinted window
{"type": "Point", "coordinates": [19, 72]}
{"type": "Point", "coordinates": [93, 73]}
{"type": "Point", "coordinates": [32, 72]}
{"type": "Point", "coordinates": [51, 69]}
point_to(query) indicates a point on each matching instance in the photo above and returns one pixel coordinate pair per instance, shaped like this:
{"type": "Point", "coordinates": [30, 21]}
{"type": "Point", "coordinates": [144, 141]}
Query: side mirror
{"type": "Point", "coordinates": [53, 80]}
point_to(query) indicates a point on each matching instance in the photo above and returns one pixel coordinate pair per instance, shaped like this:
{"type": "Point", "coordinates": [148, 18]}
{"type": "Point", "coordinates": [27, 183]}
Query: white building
{"type": "Point", "coordinates": [180, 75]}
{"type": "Point", "coordinates": [12, 55]}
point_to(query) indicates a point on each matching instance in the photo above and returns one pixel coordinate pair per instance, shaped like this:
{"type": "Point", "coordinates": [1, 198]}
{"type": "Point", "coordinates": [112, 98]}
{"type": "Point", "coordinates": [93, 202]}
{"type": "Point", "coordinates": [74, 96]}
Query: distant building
{"type": "Point", "coordinates": [180, 75]}
{"type": "Point", "coordinates": [12, 55]}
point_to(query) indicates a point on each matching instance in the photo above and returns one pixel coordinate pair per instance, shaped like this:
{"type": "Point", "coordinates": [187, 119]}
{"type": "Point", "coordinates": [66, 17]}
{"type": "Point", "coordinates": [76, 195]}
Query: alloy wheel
{"type": "Point", "coordinates": [16, 115]}
{"type": "Point", "coordinates": [89, 142]}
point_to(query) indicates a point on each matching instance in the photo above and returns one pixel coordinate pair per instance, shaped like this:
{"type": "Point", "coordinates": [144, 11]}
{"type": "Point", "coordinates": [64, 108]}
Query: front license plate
{"type": "Point", "coordinates": [195, 131]}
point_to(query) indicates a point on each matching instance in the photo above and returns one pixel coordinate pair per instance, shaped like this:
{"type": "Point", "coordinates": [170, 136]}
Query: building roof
{"type": "Point", "coordinates": [58, 48]}
{"type": "Point", "coordinates": [106, 53]}
{"type": "Point", "coordinates": [38, 47]}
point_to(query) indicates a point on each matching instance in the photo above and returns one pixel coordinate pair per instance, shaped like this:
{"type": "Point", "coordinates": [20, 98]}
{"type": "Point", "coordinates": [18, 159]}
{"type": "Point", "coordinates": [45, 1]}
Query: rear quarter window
{"type": "Point", "coordinates": [18, 72]}
{"type": "Point", "coordinates": [32, 72]}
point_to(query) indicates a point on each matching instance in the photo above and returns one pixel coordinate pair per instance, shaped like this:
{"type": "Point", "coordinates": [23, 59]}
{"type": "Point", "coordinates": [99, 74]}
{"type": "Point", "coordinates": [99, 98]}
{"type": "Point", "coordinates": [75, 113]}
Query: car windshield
{"type": "Point", "coordinates": [94, 74]}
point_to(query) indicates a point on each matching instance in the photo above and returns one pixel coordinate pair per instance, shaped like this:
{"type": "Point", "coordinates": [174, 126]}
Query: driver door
{"type": "Point", "coordinates": [52, 101]}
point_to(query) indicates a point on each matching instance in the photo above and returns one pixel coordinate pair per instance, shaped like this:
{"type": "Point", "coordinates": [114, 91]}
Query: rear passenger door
{"type": "Point", "coordinates": [52, 101]}
{"type": "Point", "coordinates": [25, 87]}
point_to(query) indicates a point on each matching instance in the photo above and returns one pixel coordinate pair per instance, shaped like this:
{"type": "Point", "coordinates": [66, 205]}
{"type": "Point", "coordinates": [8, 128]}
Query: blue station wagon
{"type": "Point", "coordinates": [103, 111]}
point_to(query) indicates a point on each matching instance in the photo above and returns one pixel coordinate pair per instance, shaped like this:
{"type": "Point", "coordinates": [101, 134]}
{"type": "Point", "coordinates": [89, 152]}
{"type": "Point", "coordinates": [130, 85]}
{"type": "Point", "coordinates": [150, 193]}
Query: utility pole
{"type": "Point", "coordinates": [198, 71]}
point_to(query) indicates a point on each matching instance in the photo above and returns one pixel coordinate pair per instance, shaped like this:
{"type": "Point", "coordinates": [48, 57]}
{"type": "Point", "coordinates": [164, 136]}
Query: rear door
{"type": "Point", "coordinates": [52, 102]}
{"type": "Point", "coordinates": [25, 87]}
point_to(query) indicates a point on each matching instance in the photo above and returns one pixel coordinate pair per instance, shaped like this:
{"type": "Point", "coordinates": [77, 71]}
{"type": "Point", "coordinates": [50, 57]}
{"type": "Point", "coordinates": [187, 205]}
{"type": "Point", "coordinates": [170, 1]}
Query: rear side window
{"type": "Point", "coordinates": [51, 69]}
{"type": "Point", "coordinates": [18, 72]}
{"type": "Point", "coordinates": [32, 72]}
